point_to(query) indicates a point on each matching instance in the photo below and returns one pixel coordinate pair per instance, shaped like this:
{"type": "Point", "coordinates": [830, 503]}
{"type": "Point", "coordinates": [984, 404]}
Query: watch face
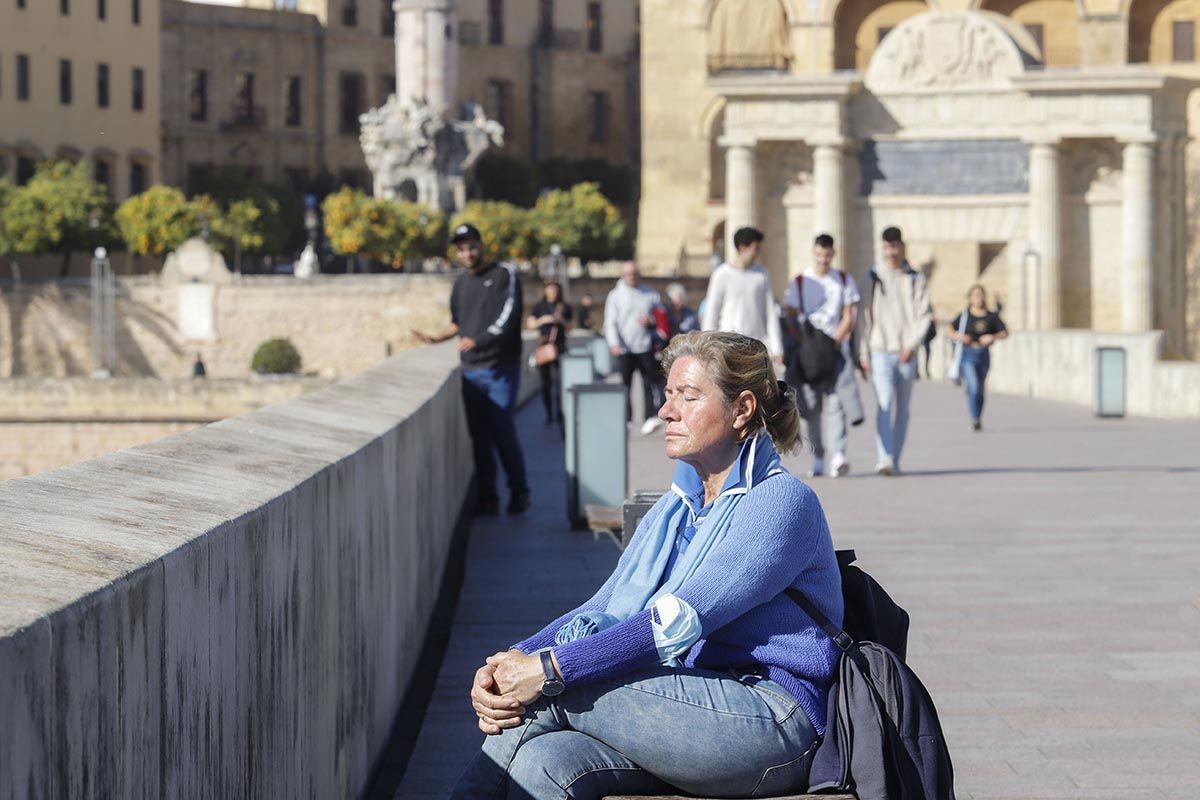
{"type": "Point", "coordinates": [552, 688]}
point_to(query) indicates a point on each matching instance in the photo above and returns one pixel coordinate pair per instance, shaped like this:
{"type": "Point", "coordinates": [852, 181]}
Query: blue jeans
{"type": "Point", "coordinates": [490, 397]}
{"type": "Point", "coordinates": [709, 733]}
{"type": "Point", "coordinates": [975, 365]}
{"type": "Point", "coordinates": [893, 382]}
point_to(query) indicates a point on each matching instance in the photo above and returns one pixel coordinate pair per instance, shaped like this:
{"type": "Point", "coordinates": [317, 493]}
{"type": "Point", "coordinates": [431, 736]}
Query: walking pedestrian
{"type": "Point", "coordinates": [584, 315]}
{"type": "Point", "coordinates": [827, 298]}
{"type": "Point", "coordinates": [895, 320]}
{"type": "Point", "coordinates": [680, 318]}
{"type": "Point", "coordinates": [629, 327]}
{"type": "Point", "coordinates": [740, 299]}
{"type": "Point", "coordinates": [550, 317]}
{"type": "Point", "coordinates": [485, 315]}
{"type": "Point", "coordinates": [977, 328]}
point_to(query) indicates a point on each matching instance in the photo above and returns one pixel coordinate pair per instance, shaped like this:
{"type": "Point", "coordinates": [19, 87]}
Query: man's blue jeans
{"type": "Point", "coordinates": [893, 382]}
{"type": "Point", "coordinates": [975, 365]}
{"type": "Point", "coordinates": [490, 397]}
{"type": "Point", "coordinates": [708, 733]}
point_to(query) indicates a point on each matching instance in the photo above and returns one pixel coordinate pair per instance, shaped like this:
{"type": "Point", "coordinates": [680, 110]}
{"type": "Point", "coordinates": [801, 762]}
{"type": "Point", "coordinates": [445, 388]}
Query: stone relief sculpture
{"type": "Point", "coordinates": [942, 49]}
{"type": "Point", "coordinates": [1096, 165]}
{"type": "Point", "coordinates": [413, 144]}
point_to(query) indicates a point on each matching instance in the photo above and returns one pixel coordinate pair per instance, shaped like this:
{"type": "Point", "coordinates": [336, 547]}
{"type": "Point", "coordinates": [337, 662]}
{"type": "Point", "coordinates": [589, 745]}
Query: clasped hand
{"type": "Point", "coordinates": [503, 686]}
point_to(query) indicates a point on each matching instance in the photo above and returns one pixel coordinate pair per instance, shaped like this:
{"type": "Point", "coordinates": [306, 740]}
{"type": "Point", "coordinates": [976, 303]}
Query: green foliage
{"type": "Point", "coordinates": [59, 210]}
{"type": "Point", "coordinates": [278, 229]}
{"type": "Point", "coordinates": [507, 179]}
{"type": "Point", "coordinates": [242, 224]}
{"type": "Point", "coordinates": [508, 232]}
{"type": "Point", "coordinates": [276, 357]}
{"type": "Point", "coordinates": [581, 220]}
{"type": "Point", "coordinates": [6, 190]}
{"type": "Point", "coordinates": [157, 221]}
{"type": "Point", "coordinates": [383, 230]}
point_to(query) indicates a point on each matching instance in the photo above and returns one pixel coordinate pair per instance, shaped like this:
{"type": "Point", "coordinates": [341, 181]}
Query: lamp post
{"type": "Point", "coordinates": [558, 269]}
{"type": "Point", "coordinates": [1031, 315]}
{"type": "Point", "coordinates": [104, 340]}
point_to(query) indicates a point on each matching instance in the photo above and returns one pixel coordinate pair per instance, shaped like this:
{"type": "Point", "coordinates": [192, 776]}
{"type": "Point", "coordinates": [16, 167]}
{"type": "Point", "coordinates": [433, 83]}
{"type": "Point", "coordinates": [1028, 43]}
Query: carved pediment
{"type": "Point", "coordinates": [946, 49]}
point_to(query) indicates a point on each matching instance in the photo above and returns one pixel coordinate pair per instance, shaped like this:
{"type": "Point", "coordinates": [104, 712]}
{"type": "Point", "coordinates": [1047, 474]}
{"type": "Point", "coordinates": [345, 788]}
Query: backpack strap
{"type": "Point", "coordinates": [842, 639]}
{"type": "Point", "coordinates": [800, 293]}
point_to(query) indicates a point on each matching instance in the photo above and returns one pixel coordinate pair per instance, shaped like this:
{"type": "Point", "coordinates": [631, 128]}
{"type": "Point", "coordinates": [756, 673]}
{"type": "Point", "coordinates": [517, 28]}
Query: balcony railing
{"type": "Point", "coordinates": [241, 119]}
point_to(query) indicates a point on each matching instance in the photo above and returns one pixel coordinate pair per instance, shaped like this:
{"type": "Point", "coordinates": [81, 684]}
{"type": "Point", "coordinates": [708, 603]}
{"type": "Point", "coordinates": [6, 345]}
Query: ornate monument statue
{"type": "Point", "coordinates": [416, 146]}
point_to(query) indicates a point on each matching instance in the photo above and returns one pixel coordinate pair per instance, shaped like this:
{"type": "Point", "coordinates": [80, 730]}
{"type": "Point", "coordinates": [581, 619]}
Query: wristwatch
{"type": "Point", "coordinates": [552, 686]}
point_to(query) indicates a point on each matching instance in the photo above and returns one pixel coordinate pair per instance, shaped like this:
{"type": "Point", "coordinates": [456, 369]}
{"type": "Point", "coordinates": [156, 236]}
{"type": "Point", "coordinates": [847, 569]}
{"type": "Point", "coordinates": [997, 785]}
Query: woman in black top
{"type": "Point", "coordinates": [983, 328]}
{"type": "Point", "coordinates": [550, 316]}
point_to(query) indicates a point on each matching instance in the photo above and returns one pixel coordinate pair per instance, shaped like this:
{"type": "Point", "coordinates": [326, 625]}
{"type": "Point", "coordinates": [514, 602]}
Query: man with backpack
{"type": "Point", "coordinates": [895, 321]}
{"type": "Point", "coordinates": [820, 307]}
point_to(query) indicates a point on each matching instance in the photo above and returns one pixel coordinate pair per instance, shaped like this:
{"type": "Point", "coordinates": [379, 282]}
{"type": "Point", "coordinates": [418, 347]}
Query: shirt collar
{"type": "Point", "coordinates": [690, 488]}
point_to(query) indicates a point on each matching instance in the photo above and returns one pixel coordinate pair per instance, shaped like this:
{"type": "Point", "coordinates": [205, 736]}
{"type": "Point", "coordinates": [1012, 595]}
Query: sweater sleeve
{"type": "Point", "coordinates": [778, 532]}
{"type": "Point", "coordinates": [511, 312]}
{"type": "Point", "coordinates": [612, 333]}
{"type": "Point", "coordinates": [715, 298]}
{"type": "Point", "coordinates": [774, 336]}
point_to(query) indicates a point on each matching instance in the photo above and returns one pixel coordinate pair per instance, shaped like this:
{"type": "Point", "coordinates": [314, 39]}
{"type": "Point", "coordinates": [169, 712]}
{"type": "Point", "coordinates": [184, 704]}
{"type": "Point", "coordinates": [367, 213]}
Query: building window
{"type": "Point", "coordinates": [499, 97]}
{"type": "Point", "coordinates": [387, 87]}
{"type": "Point", "coordinates": [285, 5]}
{"type": "Point", "coordinates": [598, 106]}
{"type": "Point", "coordinates": [243, 98]}
{"type": "Point", "coordinates": [139, 89]}
{"type": "Point", "coordinates": [351, 103]}
{"type": "Point", "coordinates": [595, 28]}
{"type": "Point", "coordinates": [64, 81]}
{"type": "Point", "coordinates": [292, 113]}
{"type": "Point", "coordinates": [102, 174]}
{"type": "Point", "coordinates": [22, 76]}
{"type": "Point", "coordinates": [137, 12]}
{"type": "Point", "coordinates": [102, 85]}
{"type": "Point", "coordinates": [1038, 31]}
{"type": "Point", "coordinates": [546, 22]}
{"type": "Point", "coordinates": [495, 21]}
{"type": "Point", "coordinates": [137, 177]}
{"type": "Point", "coordinates": [1183, 41]}
{"type": "Point", "coordinates": [26, 166]}
{"type": "Point", "coordinates": [350, 13]}
{"type": "Point", "coordinates": [198, 95]}
{"type": "Point", "coordinates": [388, 19]}
{"type": "Point", "coordinates": [64, 7]}
{"type": "Point", "coordinates": [296, 177]}
{"type": "Point", "coordinates": [102, 9]}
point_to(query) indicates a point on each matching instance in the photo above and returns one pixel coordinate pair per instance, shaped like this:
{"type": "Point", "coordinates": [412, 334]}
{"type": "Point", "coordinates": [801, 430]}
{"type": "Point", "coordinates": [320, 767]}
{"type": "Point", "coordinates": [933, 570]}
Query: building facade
{"type": "Point", "coordinates": [1042, 148]}
{"type": "Point", "coordinates": [79, 80]}
{"type": "Point", "coordinates": [277, 88]}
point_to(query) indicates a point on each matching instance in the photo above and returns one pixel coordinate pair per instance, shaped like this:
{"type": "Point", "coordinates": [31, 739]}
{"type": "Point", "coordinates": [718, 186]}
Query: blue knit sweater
{"type": "Point", "coordinates": [778, 538]}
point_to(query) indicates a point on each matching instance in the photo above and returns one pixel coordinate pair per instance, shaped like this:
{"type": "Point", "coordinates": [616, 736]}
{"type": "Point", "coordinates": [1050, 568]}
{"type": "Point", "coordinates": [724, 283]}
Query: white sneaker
{"type": "Point", "coordinates": [886, 467]}
{"type": "Point", "coordinates": [651, 425]}
{"type": "Point", "coordinates": [818, 468]}
{"type": "Point", "coordinates": [840, 466]}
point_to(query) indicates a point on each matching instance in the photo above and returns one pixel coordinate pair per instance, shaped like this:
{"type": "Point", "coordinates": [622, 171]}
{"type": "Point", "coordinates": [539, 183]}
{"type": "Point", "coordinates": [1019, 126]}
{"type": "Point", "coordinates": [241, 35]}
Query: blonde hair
{"type": "Point", "coordinates": [736, 364]}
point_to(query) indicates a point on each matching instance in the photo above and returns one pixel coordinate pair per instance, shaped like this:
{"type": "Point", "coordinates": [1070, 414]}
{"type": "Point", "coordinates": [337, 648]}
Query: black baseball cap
{"type": "Point", "coordinates": [464, 233]}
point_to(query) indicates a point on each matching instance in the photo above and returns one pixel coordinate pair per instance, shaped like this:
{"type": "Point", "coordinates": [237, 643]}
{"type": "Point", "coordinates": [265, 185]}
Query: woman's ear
{"type": "Point", "coordinates": [745, 406]}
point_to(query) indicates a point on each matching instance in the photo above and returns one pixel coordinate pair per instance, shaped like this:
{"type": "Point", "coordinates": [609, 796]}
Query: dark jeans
{"type": "Point", "coordinates": [490, 397]}
{"type": "Point", "coordinates": [549, 376]}
{"type": "Point", "coordinates": [646, 364]}
{"type": "Point", "coordinates": [975, 365]}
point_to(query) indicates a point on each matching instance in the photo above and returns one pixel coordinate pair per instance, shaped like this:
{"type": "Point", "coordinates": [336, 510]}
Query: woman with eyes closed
{"type": "Point", "coordinates": [690, 669]}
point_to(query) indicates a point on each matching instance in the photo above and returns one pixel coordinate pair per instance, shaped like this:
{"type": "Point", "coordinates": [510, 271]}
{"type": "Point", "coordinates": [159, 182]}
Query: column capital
{"type": "Point", "coordinates": [736, 140]}
{"type": "Point", "coordinates": [829, 140]}
{"type": "Point", "coordinates": [1046, 140]}
{"type": "Point", "coordinates": [1147, 139]}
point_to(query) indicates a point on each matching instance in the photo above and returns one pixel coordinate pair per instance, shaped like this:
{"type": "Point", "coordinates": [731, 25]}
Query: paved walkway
{"type": "Point", "coordinates": [1051, 565]}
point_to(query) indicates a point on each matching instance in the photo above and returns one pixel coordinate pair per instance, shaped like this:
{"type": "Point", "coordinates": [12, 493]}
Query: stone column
{"type": "Point", "coordinates": [1045, 235]}
{"type": "Point", "coordinates": [1137, 236]}
{"type": "Point", "coordinates": [829, 181]}
{"type": "Point", "coordinates": [426, 52]}
{"type": "Point", "coordinates": [739, 188]}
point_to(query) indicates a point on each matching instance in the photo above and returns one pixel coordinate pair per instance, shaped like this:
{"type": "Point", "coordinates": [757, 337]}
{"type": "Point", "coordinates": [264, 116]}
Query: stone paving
{"type": "Point", "coordinates": [1051, 565]}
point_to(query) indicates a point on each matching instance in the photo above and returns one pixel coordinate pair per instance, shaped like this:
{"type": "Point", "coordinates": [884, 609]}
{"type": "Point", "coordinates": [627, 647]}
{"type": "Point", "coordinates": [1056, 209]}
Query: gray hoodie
{"type": "Point", "coordinates": [624, 311]}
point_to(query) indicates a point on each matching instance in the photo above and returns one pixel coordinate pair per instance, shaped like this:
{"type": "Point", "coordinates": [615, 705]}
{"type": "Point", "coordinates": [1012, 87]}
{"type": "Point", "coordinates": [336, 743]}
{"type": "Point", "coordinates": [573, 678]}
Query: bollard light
{"type": "Point", "coordinates": [1110, 382]}
{"type": "Point", "coordinates": [573, 369]}
{"type": "Point", "coordinates": [601, 445]}
{"type": "Point", "coordinates": [602, 356]}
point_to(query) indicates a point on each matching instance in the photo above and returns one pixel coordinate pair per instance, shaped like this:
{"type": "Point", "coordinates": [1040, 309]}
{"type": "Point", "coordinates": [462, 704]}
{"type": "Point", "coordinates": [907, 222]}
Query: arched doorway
{"type": "Point", "coordinates": [1163, 31]}
{"type": "Point", "coordinates": [860, 25]}
{"type": "Point", "coordinates": [749, 35]}
{"type": "Point", "coordinates": [1053, 24]}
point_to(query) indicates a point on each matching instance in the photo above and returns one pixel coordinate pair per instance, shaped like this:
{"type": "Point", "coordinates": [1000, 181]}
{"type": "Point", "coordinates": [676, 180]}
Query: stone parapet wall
{"type": "Point", "coordinates": [234, 611]}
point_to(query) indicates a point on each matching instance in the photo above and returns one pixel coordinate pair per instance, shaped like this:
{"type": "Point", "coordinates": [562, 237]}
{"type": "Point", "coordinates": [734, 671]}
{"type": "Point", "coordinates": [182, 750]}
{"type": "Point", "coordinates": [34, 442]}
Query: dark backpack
{"type": "Point", "coordinates": [883, 739]}
{"type": "Point", "coordinates": [816, 358]}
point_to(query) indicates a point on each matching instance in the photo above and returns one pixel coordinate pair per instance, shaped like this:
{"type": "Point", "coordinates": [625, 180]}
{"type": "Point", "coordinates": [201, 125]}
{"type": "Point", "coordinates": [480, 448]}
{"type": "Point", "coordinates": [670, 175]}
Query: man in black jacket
{"type": "Point", "coordinates": [485, 315]}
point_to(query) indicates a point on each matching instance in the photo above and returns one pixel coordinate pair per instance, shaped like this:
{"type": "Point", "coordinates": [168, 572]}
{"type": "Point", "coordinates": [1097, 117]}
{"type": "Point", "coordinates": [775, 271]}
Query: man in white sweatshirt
{"type": "Point", "coordinates": [740, 298]}
{"type": "Point", "coordinates": [629, 327]}
{"type": "Point", "coordinates": [894, 321]}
